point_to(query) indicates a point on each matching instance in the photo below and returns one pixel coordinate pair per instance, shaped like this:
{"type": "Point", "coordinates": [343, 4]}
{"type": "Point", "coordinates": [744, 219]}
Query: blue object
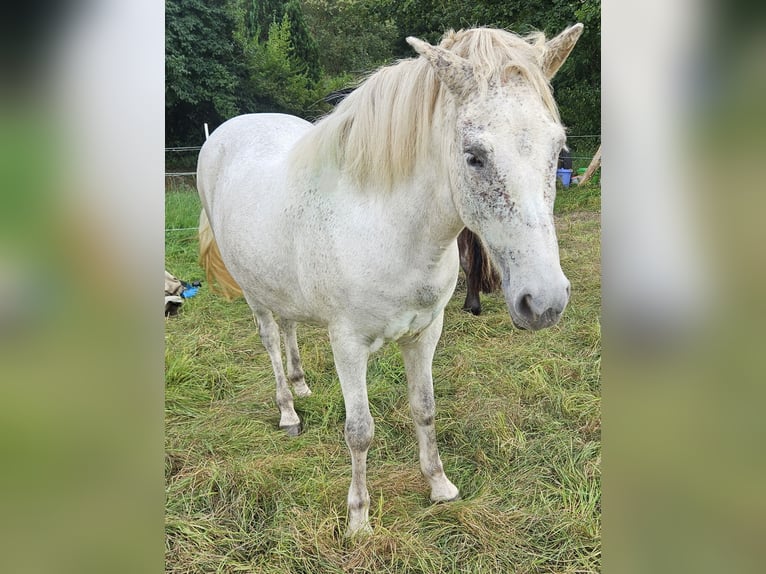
{"type": "Point", "coordinates": [189, 292]}
{"type": "Point", "coordinates": [565, 175]}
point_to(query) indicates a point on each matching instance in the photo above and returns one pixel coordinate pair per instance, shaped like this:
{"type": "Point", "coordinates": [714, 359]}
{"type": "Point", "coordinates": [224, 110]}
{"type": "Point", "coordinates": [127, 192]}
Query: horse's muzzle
{"type": "Point", "coordinates": [547, 319]}
{"type": "Point", "coordinates": [530, 314]}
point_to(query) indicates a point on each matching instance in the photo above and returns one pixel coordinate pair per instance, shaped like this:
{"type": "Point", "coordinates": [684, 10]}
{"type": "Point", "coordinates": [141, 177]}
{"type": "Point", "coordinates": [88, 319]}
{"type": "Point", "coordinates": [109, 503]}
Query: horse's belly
{"type": "Point", "coordinates": [275, 284]}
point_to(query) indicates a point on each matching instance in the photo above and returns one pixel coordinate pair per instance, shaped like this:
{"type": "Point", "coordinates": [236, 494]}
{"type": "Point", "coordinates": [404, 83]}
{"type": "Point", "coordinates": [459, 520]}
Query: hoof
{"type": "Point", "coordinates": [445, 493]}
{"type": "Point", "coordinates": [360, 532]}
{"type": "Point", "coordinates": [302, 392]}
{"type": "Point", "coordinates": [444, 500]}
{"type": "Point", "coordinates": [291, 430]}
{"type": "Point", "coordinates": [473, 310]}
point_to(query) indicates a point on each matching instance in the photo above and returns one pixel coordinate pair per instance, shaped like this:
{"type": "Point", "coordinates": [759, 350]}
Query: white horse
{"type": "Point", "coordinates": [351, 223]}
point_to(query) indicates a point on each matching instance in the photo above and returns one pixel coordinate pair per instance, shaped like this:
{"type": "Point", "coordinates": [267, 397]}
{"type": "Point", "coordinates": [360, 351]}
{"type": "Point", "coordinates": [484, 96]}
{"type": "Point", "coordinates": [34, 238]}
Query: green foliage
{"type": "Point", "coordinates": [304, 46]}
{"type": "Point", "coordinates": [353, 35]}
{"type": "Point", "coordinates": [202, 75]}
{"type": "Point", "coordinates": [219, 55]}
{"type": "Point", "coordinates": [254, 21]}
{"type": "Point", "coordinates": [577, 84]}
{"type": "Point", "coordinates": [278, 78]}
{"type": "Point", "coordinates": [260, 15]}
{"type": "Point", "coordinates": [226, 57]}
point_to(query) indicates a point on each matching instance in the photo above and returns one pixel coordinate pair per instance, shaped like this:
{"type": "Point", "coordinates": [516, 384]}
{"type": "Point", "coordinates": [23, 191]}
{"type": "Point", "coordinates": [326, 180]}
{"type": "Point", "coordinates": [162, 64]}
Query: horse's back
{"type": "Point", "coordinates": [243, 146]}
{"type": "Point", "coordinates": [260, 135]}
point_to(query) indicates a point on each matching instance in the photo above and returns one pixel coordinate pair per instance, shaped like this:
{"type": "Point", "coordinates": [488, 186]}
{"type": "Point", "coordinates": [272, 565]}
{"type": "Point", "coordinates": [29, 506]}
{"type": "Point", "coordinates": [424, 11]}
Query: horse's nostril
{"type": "Point", "coordinates": [524, 306]}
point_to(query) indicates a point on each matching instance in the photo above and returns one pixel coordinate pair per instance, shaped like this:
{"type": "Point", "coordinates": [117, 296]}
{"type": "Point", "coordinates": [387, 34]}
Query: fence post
{"type": "Point", "coordinates": [594, 165]}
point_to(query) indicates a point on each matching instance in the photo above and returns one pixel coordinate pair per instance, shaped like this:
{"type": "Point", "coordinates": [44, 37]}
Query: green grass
{"type": "Point", "coordinates": [585, 197]}
{"type": "Point", "coordinates": [518, 422]}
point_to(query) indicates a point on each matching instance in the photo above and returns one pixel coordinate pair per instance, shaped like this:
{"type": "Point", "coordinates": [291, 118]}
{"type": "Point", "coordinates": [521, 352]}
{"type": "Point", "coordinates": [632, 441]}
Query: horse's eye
{"type": "Point", "coordinates": [474, 161]}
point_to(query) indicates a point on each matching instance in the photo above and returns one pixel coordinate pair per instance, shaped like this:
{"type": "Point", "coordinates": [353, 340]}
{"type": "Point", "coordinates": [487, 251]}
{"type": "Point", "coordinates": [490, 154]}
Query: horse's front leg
{"type": "Point", "coordinates": [472, 299]}
{"type": "Point", "coordinates": [351, 363]}
{"type": "Point", "coordinates": [418, 353]}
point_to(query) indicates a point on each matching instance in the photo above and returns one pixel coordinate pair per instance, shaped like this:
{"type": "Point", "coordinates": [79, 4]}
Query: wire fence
{"type": "Point", "coordinates": [186, 149]}
{"type": "Point", "coordinates": [172, 229]}
{"type": "Point", "coordinates": [199, 147]}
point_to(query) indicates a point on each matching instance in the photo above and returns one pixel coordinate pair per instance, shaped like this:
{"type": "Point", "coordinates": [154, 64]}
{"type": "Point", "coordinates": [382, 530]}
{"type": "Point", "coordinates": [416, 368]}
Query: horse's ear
{"type": "Point", "coordinates": [557, 49]}
{"type": "Point", "coordinates": [455, 72]}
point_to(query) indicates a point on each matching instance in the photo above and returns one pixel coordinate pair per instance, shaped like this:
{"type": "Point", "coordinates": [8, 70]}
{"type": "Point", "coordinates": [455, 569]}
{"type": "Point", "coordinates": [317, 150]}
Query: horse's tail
{"type": "Point", "coordinates": [490, 277]}
{"type": "Point", "coordinates": [211, 262]}
{"type": "Point", "coordinates": [483, 274]}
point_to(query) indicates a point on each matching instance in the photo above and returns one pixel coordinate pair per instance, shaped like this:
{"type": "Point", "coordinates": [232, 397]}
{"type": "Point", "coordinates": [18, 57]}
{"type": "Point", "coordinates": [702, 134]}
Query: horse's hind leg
{"type": "Point", "coordinates": [295, 372]}
{"type": "Point", "coordinates": [269, 331]}
{"type": "Point", "coordinates": [418, 353]}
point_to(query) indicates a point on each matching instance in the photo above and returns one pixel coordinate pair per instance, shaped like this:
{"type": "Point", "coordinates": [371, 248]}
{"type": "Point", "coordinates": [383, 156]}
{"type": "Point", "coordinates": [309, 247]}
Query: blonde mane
{"type": "Point", "coordinates": [378, 133]}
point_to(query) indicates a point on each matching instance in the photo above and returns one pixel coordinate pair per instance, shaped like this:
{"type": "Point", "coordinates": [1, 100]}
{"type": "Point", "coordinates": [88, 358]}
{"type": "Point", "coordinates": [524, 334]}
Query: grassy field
{"type": "Point", "coordinates": [518, 423]}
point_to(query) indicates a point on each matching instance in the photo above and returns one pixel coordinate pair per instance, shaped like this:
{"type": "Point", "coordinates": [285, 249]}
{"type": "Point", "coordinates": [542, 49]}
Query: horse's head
{"type": "Point", "coordinates": [507, 143]}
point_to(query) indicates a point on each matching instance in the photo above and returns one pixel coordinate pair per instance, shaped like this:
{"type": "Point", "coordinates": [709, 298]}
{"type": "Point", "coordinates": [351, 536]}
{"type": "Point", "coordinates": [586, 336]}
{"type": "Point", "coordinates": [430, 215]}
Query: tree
{"type": "Point", "coordinates": [355, 36]}
{"type": "Point", "coordinates": [578, 83]}
{"type": "Point", "coordinates": [304, 47]}
{"type": "Point", "coordinates": [226, 57]}
{"type": "Point", "coordinates": [278, 78]}
{"type": "Point", "coordinates": [579, 88]}
{"type": "Point", "coordinates": [255, 18]}
{"type": "Point", "coordinates": [202, 74]}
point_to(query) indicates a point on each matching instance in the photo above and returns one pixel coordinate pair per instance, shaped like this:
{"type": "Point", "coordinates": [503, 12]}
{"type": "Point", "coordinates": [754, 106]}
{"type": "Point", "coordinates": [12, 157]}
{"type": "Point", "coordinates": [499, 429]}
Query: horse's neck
{"type": "Point", "coordinates": [429, 193]}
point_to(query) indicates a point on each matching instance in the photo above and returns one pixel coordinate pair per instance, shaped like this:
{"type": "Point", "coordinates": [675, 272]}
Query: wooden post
{"type": "Point", "coordinates": [594, 165]}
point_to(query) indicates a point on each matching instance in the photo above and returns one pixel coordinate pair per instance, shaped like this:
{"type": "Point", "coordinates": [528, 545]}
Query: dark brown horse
{"type": "Point", "coordinates": [480, 275]}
